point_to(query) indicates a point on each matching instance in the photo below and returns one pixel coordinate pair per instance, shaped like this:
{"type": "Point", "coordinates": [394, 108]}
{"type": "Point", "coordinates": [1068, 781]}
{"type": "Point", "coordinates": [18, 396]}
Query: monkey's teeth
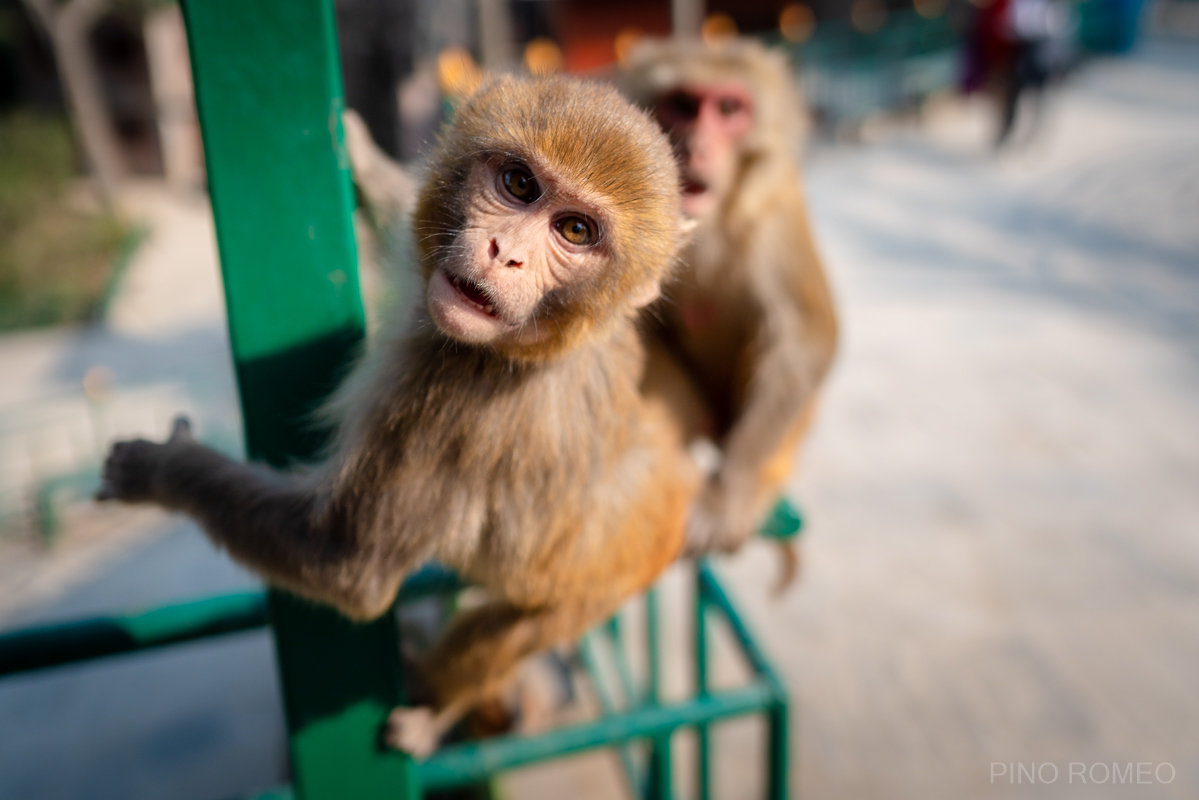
{"type": "Point", "coordinates": [470, 291]}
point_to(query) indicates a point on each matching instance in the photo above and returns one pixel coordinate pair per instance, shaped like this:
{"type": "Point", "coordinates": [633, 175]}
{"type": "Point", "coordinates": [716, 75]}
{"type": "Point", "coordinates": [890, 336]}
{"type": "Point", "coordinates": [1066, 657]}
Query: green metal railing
{"type": "Point", "coordinates": [648, 719]}
{"type": "Point", "coordinates": [269, 96]}
{"type": "Point", "coordinates": [640, 716]}
{"type": "Point", "coordinates": [82, 640]}
{"type": "Point", "coordinates": [54, 645]}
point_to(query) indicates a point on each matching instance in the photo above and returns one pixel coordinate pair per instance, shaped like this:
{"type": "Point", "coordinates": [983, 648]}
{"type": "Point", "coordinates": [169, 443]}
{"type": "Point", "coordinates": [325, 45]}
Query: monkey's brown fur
{"type": "Point", "coordinates": [535, 468]}
{"type": "Point", "coordinates": [750, 319]}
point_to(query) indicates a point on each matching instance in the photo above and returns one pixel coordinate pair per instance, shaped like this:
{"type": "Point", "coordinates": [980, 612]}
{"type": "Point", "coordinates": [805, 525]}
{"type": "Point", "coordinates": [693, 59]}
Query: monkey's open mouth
{"type": "Point", "coordinates": [691, 186]}
{"type": "Point", "coordinates": [473, 294]}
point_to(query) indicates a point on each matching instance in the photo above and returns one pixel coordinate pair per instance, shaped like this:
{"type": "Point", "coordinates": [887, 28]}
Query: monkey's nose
{"type": "Point", "coordinates": [493, 252]}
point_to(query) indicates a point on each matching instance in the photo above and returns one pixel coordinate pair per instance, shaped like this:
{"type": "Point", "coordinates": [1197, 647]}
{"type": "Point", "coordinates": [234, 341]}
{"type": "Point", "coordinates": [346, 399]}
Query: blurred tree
{"type": "Point", "coordinates": [58, 255]}
{"type": "Point", "coordinates": [67, 25]}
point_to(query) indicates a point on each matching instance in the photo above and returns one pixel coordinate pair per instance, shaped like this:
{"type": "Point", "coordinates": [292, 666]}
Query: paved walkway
{"type": "Point", "coordinates": [1003, 558]}
{"type": "Point", "coordinates": [1004, 484]}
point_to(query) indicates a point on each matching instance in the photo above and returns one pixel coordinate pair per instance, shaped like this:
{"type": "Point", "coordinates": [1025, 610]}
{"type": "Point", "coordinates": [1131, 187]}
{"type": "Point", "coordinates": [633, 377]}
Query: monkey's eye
{"type": "Point", "coordinates": [520, 184]}
{"type": "Point", "coordinates": [680, 105]}
{"type": "Point", "coordinates": [730, 106]}
{"type": "Point", "coordinates": [576, 230]}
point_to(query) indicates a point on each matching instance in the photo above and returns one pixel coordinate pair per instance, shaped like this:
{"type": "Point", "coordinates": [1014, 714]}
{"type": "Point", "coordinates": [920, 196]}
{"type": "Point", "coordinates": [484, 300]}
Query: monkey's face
{"type": "Point", "coordinates": [526, 240]}
{"type": "Point", "coordinates": [706, 123]}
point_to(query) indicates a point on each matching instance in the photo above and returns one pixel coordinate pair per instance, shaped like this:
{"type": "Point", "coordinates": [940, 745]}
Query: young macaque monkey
{"type": "Point", "coordinates": [748, 330]}
{"type": "Point", "coordinates": [504, 433]}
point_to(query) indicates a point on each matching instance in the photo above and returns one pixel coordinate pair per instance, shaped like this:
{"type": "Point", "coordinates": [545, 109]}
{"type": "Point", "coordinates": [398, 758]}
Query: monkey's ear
{"type": "Point", "coordinates": [644, 295]}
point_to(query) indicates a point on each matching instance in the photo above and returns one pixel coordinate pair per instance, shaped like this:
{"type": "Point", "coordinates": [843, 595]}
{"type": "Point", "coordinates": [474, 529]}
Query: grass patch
{"type": "Point", "coordinates": [57, 258]}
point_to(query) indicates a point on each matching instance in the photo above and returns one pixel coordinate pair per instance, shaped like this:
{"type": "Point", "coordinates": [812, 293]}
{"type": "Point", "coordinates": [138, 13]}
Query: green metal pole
{"type": "Point", "coordinates": [44, 646]}
{"type": "Point", "coordinates": [658, 785]}
{"type": "Point", "coordinates": [470, 762]}
{"type": "Point", "coordinates": [777, 766]}
{"type": "Point", "coordinates": [268, 89]}
{"type": "Point", "coordinates": [71, 642]}
{"type": "Point", "coordinates": [620, 656]}
{"type": "Point", "coordinates": [607, 703]}
{"type": "Point", "coordinates": [778, 714]}
{"type": "Point", "coordinates": [703, 764]}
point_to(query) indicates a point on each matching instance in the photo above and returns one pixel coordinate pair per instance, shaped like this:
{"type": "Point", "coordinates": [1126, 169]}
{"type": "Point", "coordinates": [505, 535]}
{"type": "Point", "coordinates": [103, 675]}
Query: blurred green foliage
{"type": "Point", "coordinates": [57, 251]}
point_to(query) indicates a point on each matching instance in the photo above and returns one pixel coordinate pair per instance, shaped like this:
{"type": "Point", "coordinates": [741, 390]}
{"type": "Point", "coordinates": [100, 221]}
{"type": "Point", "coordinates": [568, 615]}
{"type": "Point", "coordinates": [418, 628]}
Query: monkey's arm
{"type": "Point", "coordinates": [295, 531]}
{"type": "Point", "coordinates": [757, 459]}
{"type": "Point", "coordinates": [795, 345]}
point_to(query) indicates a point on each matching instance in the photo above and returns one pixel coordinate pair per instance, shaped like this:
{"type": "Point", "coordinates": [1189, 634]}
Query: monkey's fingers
{"type": "Point", "coordinates": [792, 563]}
{"type": "Point", "coordinates": [128, 471]}
{"type": "Point", "coordinates": [359, 144]}
{"type": "Point", "coordinates": [385, 187]}
{"type": "Point", "coordinates": [110, 476]}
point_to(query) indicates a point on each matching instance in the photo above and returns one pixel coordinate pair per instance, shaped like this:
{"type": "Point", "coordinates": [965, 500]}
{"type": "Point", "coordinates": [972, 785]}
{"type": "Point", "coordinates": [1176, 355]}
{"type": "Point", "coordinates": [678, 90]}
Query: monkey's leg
{"type": "Point", "coordinates": [475, 659]}
{"type": "Point", "coordinates": [298, 533]}
{"type": "Point", "coordinates": [778, 467]}
{"type": "Point", "coordinates": [758, 459]}
{"type": "Point", "coordinates": [774, 474]}
{"type": "Point", "coordinates": [417, 731]}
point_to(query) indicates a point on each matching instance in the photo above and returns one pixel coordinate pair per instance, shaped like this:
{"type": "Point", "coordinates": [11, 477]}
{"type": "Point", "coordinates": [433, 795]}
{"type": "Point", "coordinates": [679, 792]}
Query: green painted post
{"type": "Point", "coordinates": [703, 778]}
{"type": "Point", "coordinates": [607, 703]}
{"type": "Point", "coordinates": [269, 94]}
{"type": "Point", "coordinates": [616, 636]}
{"type": "Point", "coordinates": [658, 784]}
{"type": "Point", "coordinates": [776, 762]}
{"type": "Point", "coordinates": [79, 640]}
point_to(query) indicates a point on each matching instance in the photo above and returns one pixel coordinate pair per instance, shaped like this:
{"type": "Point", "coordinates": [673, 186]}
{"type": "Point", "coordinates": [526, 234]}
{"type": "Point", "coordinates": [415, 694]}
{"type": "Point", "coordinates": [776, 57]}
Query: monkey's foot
{"type": "Point", "coordinates": [719, 521]}
{"type": "Point", "coordinates": [412, 730]}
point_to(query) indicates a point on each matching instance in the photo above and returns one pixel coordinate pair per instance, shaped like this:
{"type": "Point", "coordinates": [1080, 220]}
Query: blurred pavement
{"type": "Point", "coordinates": [1002, 563]}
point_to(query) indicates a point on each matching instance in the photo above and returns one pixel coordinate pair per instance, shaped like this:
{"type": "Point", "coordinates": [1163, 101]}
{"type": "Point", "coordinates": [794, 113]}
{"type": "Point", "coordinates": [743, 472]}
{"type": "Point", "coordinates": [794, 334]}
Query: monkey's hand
{"type": "Point", "coordinates": [721, 519]}
{"type": "Point", "coordinates": [387, 188]}
{"type": "Point", "coordinates": [132, 468]}
{"type": "Point", "coordinates": [359, 144]}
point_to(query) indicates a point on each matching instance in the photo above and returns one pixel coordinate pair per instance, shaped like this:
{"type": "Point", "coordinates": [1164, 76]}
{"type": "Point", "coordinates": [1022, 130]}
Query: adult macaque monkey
{"type": "Point", "coordinates": [750, 319]}
{"type": "Point", "coordinates": [504, 434]}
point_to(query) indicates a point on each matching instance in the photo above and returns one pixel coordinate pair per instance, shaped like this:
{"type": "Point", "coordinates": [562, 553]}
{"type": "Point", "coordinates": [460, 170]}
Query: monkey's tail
{"type": "Point", "coordinates": [784, 526]}
{"type": "Point", "coordinates": [792, 560]}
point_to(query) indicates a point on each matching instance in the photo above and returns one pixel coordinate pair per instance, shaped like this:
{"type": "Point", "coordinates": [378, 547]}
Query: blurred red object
{"type": "Point", "coordinates": [587, 31]}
